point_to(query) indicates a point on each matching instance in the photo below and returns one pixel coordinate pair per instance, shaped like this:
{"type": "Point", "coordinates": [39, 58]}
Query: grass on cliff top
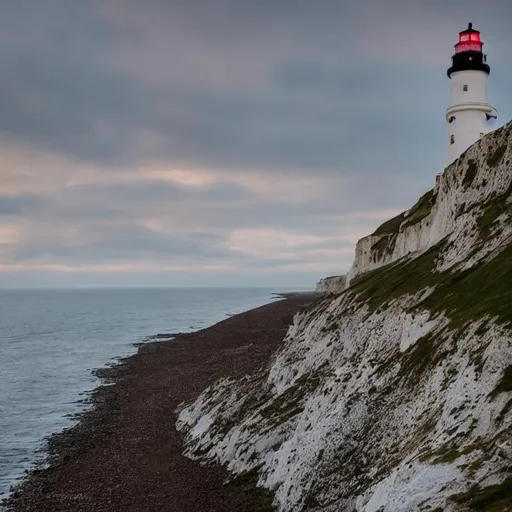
{"type": "Point", "coordinates": [463, 296]}
{"type": "Point", "coordinates": [391, 225]}
{"type": "Point", "coordinates": [418, 212]}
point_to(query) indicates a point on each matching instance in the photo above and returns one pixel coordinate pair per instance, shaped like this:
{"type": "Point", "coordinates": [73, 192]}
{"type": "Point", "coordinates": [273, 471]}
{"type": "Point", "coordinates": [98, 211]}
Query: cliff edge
{"type": "Point", "coordinates": [395, 394]}
{"type": "Point", "coordinates": [332, 284]}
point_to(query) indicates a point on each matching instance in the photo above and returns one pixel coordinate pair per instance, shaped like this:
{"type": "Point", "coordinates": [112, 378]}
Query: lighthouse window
{"type": "Point", "coordinates": [465, 88]}
{"type": "Point", "coordinates": [452, 139]}
{"type": "Point", "coordinates": [451, 119]}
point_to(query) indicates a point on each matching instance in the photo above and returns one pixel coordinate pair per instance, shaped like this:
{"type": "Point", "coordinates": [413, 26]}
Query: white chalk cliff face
{"type": "Point", "coordinates": [396, 393]}
{"type": "Point", "coordinates": [333, 284]}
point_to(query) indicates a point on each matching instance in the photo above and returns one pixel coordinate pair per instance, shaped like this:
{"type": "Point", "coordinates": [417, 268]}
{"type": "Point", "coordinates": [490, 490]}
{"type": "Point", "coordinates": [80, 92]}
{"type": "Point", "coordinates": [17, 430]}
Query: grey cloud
{"type": "Point", "coordinates": [118, 244]}
{"type": "Point", "coordinates": [330, 244]}
{"type": "Point", "coordinates": [223, 206]}
{"type": "Point", "coordinates": [351, 91]}
{"type": "Point", "coordinates": [21, 204]}
{"type": "Point", "coordinates": [103, 224]}
{"type": "Point", "coordinates": [65, 93]}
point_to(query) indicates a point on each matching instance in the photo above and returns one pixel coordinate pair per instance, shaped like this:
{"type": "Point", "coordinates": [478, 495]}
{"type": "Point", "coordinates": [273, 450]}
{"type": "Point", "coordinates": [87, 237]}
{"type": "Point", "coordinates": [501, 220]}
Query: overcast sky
{"type": "Point", "coordinates": [221, 142]}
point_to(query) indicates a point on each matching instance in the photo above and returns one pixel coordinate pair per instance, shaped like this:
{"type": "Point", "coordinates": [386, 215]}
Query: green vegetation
{"type": "Point", "coordinates": [289, 403]}
{"type": "Point", "coordinates": [447, 454]}
{"type": "Point", "coordinates": [310, 502]}
{"type": "Point", "coordinates": [452, 455]}
{"type": "Point", "coordinates": [470, 174]}
{"type": "Point", "coordinates": [420, 210]}
{"type": "Point", "coordinates": [448, 378]}
{"type": "Point", "coordinates": [506, 408]}
{"type": "Point", "coordinates": [496, 156]}
{"type": "Point", "coordinates": [332, 327]}
{"type": "Point", "coordinates": [494, 498]}
{"type": "Point", "coordinates": [463, 296]}
{"type": "Point", "coordinates": [392, 281]}
{"type": "Point", "coordinates": [474, 467]}
{"type": "Point", "coordinates": [447, 457]}
{"type": "Point", "coordinates": [249, 497]}
{"type": "Point", "coordinates": [505, 383]}
{"type": "Point", "coordinates": [471, 294]}
{"type": "Point", "coordinates": [390, 226]}
{"type": "Point", "coordinates": [421, 356]}
{"type": "Point", "coordinates": [491, 210]}
{"type": "Point", "coordinates": [384, 247]}
{"type": "Point", "coordinates": [225, 425]}
{"type": "Point", "coordinates": [460, 210]}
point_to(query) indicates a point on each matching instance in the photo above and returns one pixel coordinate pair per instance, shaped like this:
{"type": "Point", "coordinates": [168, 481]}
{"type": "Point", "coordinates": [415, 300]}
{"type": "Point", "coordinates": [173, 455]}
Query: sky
{"type": "Point", "coordinates": [220, 142]}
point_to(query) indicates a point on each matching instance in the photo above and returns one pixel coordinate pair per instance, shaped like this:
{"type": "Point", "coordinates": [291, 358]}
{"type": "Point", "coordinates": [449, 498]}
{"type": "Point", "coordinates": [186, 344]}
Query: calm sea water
{"type": "Point", "coordinates": [51, 339]}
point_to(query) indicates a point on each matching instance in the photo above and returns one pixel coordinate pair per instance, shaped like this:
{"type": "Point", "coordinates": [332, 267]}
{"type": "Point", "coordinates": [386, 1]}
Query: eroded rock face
{"type": "Point", "coordinates": [333, 284]}
{"type": "Point", "coordinates": [395, 395]}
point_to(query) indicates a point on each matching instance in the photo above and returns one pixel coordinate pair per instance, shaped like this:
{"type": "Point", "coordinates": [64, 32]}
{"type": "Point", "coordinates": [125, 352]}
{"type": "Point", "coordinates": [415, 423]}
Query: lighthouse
{"type": "Point", "coordinates": [469, 114]}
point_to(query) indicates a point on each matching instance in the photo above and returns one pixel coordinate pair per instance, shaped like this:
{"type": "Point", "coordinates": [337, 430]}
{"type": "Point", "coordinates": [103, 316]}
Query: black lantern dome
{"type": "Point", "coordinates": [468, 53]}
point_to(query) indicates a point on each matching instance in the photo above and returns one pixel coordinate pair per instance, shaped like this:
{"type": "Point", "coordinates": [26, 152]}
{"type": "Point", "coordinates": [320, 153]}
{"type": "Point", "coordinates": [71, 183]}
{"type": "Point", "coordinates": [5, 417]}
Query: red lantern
{"type": "Point", "coordinates": [469, 41]}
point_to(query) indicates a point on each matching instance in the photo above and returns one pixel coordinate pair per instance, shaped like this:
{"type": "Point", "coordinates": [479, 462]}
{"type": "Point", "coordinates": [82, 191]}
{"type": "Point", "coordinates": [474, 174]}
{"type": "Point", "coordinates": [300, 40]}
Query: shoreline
{"type": "Point", "coordinates": [124, 452]}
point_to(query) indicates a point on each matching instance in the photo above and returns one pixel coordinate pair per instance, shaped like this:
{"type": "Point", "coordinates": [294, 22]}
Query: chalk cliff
{"type": "Point", "coordinates": [395, 393]}
{"type": "Point", "coordinates": [450, 209]}
{"type": "Point", "coordinates": [331, 284]}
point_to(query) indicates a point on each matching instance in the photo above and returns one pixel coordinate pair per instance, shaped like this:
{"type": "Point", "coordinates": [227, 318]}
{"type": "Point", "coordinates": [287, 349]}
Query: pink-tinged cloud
{"type": "Point", "coordinates": [86, 220]}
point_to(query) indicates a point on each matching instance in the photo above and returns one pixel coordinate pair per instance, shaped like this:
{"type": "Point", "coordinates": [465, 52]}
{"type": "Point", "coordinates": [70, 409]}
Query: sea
{"type": "Point", "coordinates": [50, 340]}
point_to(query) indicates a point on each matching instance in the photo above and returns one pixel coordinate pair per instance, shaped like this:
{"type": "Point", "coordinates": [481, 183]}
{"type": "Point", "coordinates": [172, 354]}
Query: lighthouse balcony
{"type": "Point", "coordinates": [490, 112]}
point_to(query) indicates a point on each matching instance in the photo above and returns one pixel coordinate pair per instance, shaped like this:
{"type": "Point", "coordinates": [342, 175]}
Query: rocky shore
{"type": "Point", "coordinates": [124, 454]}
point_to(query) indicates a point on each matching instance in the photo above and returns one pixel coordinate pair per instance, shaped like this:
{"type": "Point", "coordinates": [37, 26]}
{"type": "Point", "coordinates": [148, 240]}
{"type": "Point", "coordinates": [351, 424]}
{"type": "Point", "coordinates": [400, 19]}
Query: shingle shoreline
{"type": "Point", "coordinates": [124, 454]}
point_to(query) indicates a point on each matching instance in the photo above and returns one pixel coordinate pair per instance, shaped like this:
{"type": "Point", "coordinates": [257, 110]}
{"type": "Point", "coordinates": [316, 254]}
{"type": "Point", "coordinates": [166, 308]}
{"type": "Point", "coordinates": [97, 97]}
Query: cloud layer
{"type": "Point", "coordinates": [179, 143]}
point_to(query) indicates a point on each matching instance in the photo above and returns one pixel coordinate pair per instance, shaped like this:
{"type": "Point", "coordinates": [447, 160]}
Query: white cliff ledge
{"type": "Point", "coordinates": [332, 284]}
{"type": "Point", "coordinates": [394, 394]}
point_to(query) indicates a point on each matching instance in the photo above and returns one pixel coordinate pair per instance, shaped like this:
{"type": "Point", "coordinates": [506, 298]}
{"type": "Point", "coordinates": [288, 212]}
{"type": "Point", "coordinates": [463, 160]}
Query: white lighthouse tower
{"type": "Point", "coordinates": [469, 114]}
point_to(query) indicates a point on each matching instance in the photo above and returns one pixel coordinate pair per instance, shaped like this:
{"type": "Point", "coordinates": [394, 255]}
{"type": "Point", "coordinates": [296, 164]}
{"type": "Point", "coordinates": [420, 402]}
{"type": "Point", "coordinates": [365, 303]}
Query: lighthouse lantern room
{"type": "Point", "coordinates": [469, 116]}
